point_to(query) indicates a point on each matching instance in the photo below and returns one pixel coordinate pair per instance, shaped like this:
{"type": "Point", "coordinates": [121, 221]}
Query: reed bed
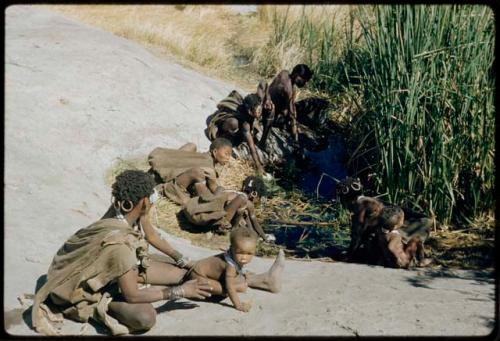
{"type": "Point", "coordinates": [420, 88]}
{"type": "Point", "coordinates": [430, 110]}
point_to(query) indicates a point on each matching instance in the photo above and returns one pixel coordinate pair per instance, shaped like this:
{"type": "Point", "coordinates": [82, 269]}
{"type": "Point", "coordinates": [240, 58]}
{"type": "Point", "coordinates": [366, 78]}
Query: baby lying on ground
{"type": "Point", "coordinates": [225, 274]}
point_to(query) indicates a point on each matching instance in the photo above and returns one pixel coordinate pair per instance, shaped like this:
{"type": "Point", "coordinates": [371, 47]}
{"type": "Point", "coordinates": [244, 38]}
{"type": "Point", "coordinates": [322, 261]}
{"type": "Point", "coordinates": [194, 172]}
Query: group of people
{"type": "Point", "coordinates": [105, 271]}
{"type": "Point", "coordinates": [383, 233]}
{"type": "Point", "coordinates": [269, 126]}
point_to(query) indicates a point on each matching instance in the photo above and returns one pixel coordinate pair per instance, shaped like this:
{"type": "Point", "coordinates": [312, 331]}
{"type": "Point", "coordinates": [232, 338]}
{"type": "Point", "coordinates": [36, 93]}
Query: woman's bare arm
{"type": "Point", "coordinates": [246, 131]}
{"type": "Point", "coordinates": [153, 238]}
{"type": "Point", "coordinates": [253, 219]}
{"type": "Point", "coordinates": [130, 291]}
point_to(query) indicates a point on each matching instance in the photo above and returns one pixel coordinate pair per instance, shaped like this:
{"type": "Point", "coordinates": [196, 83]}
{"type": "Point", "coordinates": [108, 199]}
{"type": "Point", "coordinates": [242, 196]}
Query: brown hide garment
{"type": "Point", "coordinates": [202, 212]}
{"type": "Point", "coordinates": [89, 260]}
{"type": "Point", "coordinates": [226, 109]}
{"type": "Point", "coordinates": [170, 163]}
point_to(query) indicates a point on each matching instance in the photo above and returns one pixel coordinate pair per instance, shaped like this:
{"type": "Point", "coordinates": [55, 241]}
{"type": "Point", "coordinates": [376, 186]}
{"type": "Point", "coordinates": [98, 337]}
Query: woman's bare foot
{"type": "Point", "coordinates": [274, 273]}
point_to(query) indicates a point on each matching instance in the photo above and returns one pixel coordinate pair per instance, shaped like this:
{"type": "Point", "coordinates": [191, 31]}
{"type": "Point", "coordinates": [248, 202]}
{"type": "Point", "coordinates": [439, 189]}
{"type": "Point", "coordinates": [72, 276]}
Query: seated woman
{"type": "Point", "coordinates": [97, 273]}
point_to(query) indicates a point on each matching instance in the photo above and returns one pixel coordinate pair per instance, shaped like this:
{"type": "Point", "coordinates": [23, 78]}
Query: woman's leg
{"type": "Point", "coordinates": [136, 316]}
{"type": "Point", "coordinates": [160, 273]}
{"type": "Point", "coordinates": [195, 177]}
{"type": "Point", "coordinates": [270, 280]}
{"type": "Point", "coordinates": [217, 289]}
{"type": "Point", "coordinates": [234, 205]}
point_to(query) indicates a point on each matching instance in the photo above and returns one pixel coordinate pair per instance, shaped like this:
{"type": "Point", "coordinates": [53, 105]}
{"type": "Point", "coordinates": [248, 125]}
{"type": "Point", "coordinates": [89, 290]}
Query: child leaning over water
{"type": "Point", "coordinates": [225, 272]}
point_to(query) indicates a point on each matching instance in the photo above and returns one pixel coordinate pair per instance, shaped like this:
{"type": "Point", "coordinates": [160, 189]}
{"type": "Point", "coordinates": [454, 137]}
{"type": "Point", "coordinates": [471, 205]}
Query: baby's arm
{"type": "Point", "coordinates": [230, 277]}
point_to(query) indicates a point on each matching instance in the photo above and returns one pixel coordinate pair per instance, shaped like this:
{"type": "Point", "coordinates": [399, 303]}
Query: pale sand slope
{"type": "Point", "coordinates": [77, 98]}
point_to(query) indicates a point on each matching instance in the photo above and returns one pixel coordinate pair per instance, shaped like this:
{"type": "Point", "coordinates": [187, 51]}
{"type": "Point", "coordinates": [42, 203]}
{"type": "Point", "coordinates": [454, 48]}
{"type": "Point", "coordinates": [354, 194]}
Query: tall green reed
{"type": "Point", "coordinates": [424, 79]}
{"type": "Point", "coordinates": [428, 86]}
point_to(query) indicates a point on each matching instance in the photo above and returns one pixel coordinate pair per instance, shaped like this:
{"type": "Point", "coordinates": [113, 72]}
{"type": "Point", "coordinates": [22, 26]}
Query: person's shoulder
{"type": "Point", "coordinates": [221, 259]}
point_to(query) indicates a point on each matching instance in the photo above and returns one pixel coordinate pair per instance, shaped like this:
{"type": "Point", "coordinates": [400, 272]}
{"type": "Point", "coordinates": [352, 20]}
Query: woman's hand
{"type": "Point", "coordinates": [197, 288]}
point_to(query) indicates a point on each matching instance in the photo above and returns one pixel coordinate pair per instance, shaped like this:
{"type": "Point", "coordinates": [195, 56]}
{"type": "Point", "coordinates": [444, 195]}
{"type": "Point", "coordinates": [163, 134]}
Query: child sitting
{"type": "Point", "coordinates": [230, 208]}
{"type": "Point", "coordinates": [255, 189]}
{"type": "Point", "coordinates": [225, 272]}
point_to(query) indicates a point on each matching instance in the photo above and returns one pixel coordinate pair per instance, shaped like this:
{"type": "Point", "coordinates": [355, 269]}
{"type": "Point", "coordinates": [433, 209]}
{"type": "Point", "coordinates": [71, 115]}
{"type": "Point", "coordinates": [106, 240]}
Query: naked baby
{"type": "Point", "coordinates": [225, 272]}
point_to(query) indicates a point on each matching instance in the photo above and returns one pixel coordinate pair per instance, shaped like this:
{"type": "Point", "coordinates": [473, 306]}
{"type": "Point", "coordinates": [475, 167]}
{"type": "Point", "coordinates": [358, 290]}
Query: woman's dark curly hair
{"type": "Point", "coordinates": [255, 183]}
{"type": "Point", "coordinates": [133, 185]}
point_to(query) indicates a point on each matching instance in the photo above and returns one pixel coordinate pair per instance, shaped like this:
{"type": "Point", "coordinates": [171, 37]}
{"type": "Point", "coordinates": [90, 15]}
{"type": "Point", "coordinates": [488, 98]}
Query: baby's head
{"type": "Point", "coordinates": [221, 150]}
{"type": "Point", "coordinates": [391, 217]}
{"type": "Point", "coordinates": [243, 244]}
{"type": "Point", "coordinates": [254, 187]}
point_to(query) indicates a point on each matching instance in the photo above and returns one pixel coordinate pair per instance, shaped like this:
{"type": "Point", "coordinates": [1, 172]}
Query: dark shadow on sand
{"type": "Point", "coordinates": [176, 305]}
{"type": "Point", "coordinates": [424, 277]}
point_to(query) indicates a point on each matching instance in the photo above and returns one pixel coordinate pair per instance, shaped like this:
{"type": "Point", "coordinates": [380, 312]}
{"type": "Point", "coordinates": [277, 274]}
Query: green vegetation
{"type": "Point", "coordinates": [422, 81]}
{"type": "Point", "coordinates": [412, 86]}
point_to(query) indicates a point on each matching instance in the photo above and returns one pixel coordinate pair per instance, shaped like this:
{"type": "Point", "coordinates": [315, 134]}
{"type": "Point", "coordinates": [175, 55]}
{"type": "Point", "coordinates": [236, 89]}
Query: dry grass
{"type": "Point", "coordinates": [210, 38]}
{"type": "Point", "coordinates": [282, 206]}
{"type": "Point", "coordinates": [202, 37]}
{"type": "Point", "coordinates": [470, 248]}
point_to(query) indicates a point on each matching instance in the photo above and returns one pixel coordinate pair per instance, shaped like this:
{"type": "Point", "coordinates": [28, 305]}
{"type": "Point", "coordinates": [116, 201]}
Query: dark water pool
{"type": "Point", "coordinates": [316, 241]}
{"type": "Point", "coordinates": [329, 161]}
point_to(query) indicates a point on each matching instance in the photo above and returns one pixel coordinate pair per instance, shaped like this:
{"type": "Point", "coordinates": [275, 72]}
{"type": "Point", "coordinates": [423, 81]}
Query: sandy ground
{"type": "Point", "coordinates": [78, 98]}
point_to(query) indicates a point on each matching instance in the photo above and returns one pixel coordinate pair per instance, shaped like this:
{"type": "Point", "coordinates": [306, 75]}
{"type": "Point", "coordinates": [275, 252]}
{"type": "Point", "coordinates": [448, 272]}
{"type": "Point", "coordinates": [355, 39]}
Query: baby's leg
{"type": "Point", "coordinates": [396, 248]}
{"type": "Point", "coordinates": [270, 280]}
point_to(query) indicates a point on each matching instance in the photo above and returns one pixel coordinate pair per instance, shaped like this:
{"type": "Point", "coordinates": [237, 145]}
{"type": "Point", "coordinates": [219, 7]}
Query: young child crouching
{"type": "Point", "coordinates": [395, 251]}
{"type": "Point", "coordinates": [225, 272]}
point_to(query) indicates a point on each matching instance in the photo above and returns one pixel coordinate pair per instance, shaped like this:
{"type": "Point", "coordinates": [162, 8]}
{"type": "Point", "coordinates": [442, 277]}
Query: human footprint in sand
{"type": "Point", "coordinates": [225, 272]}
